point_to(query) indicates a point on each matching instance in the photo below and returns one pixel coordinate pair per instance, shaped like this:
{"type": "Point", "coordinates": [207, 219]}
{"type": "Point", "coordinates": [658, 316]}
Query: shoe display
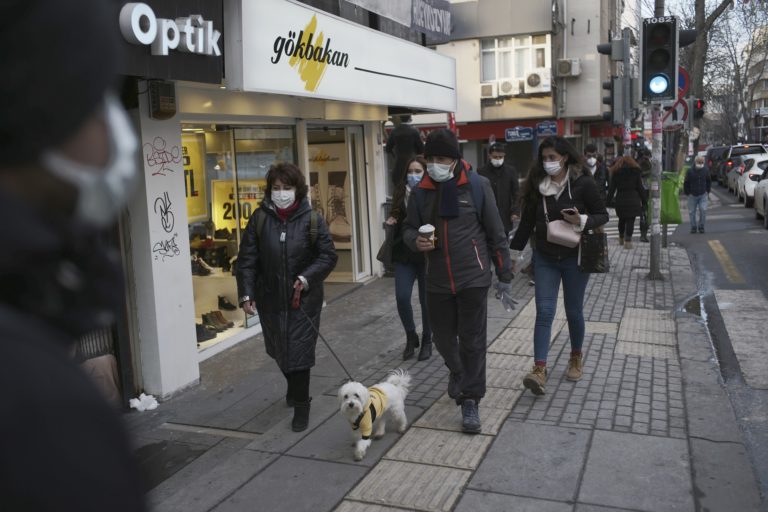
{"type": "Point", "coordinates": [211, 322]}
{"type": "Point", "coordinates": [411, 342]}
{"type": "Point", "coordinates": [204, 265]}
{"type": "Point", "coordinates": [470, 417]}
{"type": "Point", "coordinates": [222, 319]}
{"type": "Point", "coordinates": [221, 234]}
{"type": "Point", "coordinates": [225, 304]}
{"type": "Point", "coordinates": [536, 380]}
{"type": "Point", "coordinates": [574, 372]}
{"type": "Point", "coordinates": [198, 270]}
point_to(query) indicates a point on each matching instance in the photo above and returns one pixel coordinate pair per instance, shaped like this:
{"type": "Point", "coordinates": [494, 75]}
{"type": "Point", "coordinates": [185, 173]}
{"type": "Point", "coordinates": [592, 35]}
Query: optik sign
{"type": "Point", "coordinates": [192, 34]}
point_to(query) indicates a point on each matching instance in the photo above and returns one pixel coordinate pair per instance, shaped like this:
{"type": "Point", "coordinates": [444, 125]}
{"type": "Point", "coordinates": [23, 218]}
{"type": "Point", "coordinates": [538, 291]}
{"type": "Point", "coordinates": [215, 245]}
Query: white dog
{"type": "Point", "coordinates": [369, 409]}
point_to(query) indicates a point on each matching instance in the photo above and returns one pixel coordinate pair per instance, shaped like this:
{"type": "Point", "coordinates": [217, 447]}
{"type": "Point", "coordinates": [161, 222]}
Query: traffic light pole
{"type": "Point", "coordinates": [654, 111]}
{"type": "Point", "coordinates": [626, 84]}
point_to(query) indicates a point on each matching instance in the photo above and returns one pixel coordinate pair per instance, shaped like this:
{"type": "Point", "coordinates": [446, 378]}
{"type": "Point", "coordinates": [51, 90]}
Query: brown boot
{"type": "Point", "coordinates": [536, 380]}
{"type": "Point", "coordinates": [574, 372]}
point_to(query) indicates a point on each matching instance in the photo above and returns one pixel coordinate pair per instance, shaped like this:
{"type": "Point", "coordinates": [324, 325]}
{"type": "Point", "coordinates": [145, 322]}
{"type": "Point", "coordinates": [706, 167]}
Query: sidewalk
{"type": "Point", "coordinates": [649, 428]}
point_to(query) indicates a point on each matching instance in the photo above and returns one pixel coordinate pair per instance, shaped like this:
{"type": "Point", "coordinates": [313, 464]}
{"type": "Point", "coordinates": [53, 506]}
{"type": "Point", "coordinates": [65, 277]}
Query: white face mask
{"type": "Point", "coordinates": [699, 166]}
{"type": "Point", "coordinates": [552, 168]}
{"type": "Point", "coordinates": [497, 162]}
{"type": "Point", "coordinates": [591, 161]}
{"type": "Point", "coordinates": [283, 198]}
{"type": "Point", "coordinates": [440, 172]}
{"type": "Point", "coordinates": [102, 192]}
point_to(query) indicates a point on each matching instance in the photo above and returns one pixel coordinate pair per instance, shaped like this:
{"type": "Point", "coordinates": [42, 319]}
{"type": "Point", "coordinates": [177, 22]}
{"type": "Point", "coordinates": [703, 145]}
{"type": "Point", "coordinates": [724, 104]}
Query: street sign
{"type": "Point", "coordinates": [674, 118]}
{"type": "Point", "coordinates": [546, 128]}
{"type": "Point", "coordinates": [518, 134]}
{"type": "Point", "coordinates": [683, 82]}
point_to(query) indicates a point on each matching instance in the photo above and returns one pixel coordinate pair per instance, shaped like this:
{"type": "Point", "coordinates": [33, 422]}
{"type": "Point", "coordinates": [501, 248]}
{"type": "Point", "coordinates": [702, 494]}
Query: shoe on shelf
{"type": "Point", "coordinates": [225, 304]}
{"type": "Point", "coordinates": [574, 372]}
{"type": "Point", "coordinates": [222, 319]}
{"type": "Point", "coordinates": [470, 417]}
{"type": "Point", "coordinates": [536, 380]}
{"type": "Point", "coordinates": [411, 342]}
{"type": "Point", "coordinates": [203, 334]}
{"type": "Point", "coordinates": [210, 321]}
{"type": "Point", "coordinates": [221, 234]}
{"type": "Point", "coordinates": [204, 264]}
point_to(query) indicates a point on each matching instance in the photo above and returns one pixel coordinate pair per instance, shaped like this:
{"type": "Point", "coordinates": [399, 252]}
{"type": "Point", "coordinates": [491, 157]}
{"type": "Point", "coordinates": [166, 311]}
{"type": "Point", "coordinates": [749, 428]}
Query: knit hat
{"type": "Point", "coordinates": [59, 57]}
{"type": "Point", "coordinates": [497, 147]}
{"type": "Point", "coordinates": [442, 142]}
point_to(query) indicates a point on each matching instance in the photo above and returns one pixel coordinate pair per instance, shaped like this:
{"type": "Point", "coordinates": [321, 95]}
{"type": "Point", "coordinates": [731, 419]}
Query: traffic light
{"type": "Point", "coordinates": [698, 108]}
{"type": "Point", "coordinates": [614, 100]}
{"type": "Point", "coordinates": [658, 61]}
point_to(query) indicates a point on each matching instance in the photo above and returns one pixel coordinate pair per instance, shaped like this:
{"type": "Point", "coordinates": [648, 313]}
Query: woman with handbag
{"type": "Point", "coordinates": [409, 265]}
{"type": "Point", "coordinates": [630, 196]}
{"type": "Point", "coordinates": [559, 200]}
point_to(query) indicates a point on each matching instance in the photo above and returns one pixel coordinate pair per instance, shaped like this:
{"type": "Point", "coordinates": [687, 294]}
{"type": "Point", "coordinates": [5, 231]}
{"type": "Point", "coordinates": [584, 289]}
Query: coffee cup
{"type": "Point", "coordinates": [428, 231]}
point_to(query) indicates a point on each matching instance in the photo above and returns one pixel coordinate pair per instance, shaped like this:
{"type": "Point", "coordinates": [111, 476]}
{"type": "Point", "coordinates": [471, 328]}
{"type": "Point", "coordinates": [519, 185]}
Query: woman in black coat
{"type": "Point", "coordinates": [630, 196]}
{"type": "Point", "coordinates": [409, 266]}
{"type": "Point", "coordinates": [285, 255]}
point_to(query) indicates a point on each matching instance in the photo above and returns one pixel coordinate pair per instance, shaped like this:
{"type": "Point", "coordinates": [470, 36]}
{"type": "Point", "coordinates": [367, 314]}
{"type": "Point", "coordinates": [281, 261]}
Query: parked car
{"type": "Point", "coordinates": [734, 173]}
{"type": "Point", "coordinates": [753, 171]}
{"type": "Point", "coordinates": [761, 199]}
{"type": "Point", "coordinates": [734, 151]}
{"type": "Point", "coordinates": [713, 158]}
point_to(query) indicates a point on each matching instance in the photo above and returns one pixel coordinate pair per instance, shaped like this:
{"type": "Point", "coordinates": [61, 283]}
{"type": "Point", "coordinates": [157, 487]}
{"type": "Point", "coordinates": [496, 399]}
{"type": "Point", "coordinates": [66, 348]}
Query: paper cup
{"type": "Point", "coordinates": [428, 231]}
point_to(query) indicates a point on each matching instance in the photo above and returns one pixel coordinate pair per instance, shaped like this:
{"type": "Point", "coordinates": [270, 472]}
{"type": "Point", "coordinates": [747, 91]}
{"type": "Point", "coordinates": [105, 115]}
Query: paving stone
{"type": "Point", "coordinates": [645, 350]}
{"type": "Point", "coordinates": [533, 460]}
{"type": "Point", "coordinates": [501, 398]}
{"type": "Point", "coordinates": [474, 501]}
{"type": "Point", "coordinates": [358, 506]}
{"type": "Point", "coordinates": [601, 328]}
{"type": "Point", "coordinates": [724, 476]}
{"type": "Point", "coordinates": [508, 362]}
{"type": "Point", "coordinates": [413, 486]}
{"type": "Point", "coordinates": [295, 484]}
{"type": "Point", "coordinates": [645, 336]}
{"type": "Point", "coordinates": [615, 462]}
{"type": "Point", "coordinates": [498, 378]}
{"type": "Point", "coordinates": [440, 448]}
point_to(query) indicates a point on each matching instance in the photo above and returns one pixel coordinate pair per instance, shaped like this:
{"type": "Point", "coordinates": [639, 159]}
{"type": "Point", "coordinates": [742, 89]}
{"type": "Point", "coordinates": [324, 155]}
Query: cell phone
{"type": "Point", "coordinates": [569, 211]}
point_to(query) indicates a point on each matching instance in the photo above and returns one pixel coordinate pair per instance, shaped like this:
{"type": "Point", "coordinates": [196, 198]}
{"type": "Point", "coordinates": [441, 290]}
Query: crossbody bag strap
{"type": "Point", "coordinates": [546, 215]}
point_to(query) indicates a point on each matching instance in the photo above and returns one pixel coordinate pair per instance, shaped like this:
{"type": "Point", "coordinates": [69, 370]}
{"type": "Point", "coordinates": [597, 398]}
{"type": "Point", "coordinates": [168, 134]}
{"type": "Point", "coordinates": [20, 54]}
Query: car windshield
{"type": "Point", "coordinates": [747, 150]}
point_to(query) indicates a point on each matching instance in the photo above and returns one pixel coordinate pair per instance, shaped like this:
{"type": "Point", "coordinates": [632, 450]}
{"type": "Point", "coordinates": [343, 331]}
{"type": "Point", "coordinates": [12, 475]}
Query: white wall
{"type": "Point", "coordinates": [583, 94]}
{"type": "Point", "coordinates": [158, 246]}
{"type": "Point", "coordinates": [467, 56]}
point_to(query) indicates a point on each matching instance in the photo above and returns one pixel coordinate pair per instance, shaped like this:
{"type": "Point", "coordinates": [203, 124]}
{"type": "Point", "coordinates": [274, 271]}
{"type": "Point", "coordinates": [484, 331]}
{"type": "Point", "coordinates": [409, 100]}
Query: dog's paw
{"type": "Point", "coordinates": [359, 454]}
{"type": "Point", "coordinates": [402, 428]}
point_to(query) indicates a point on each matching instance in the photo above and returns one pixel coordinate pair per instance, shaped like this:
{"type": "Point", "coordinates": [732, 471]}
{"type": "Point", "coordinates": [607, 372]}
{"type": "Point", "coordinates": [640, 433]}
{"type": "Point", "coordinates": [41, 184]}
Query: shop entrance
{"type": "Point", "coordinates": [339, 192]}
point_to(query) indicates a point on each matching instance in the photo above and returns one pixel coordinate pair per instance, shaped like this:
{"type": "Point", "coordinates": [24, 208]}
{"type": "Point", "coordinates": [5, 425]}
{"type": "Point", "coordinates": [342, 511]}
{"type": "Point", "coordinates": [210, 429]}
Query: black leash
{"type": "Point", "coordinates": [326, 343]}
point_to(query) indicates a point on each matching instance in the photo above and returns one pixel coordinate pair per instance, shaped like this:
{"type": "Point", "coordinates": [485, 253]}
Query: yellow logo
{"type": "Point", "coordinates": [309, 58]}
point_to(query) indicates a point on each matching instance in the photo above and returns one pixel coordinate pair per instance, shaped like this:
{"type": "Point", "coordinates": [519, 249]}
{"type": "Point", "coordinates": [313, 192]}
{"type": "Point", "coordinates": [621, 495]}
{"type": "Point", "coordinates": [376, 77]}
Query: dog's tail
{"type": "Point", "coordinates": [401, 379]}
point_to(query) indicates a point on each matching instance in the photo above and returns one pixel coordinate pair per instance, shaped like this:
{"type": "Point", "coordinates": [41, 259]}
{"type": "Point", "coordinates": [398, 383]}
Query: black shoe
{"type": "Point", "coordinates": [425, 352]}
{"type": "Point", "coordinates": [701, 230]}
{"type": "Point", "coordinates": [470, 417]}
{"type": "Point", "coordinates": [644, 239]}
{"type": "Point", "coordinates": [693, 231]}
{"type": "Point", "coordinates": [300, 416]}
{"type": "Point", "coordinates": [411, 342]}
{"type": "Point", "coordinates": [225, 304]}
{"type": "Point", "coordinates": [203, 334]}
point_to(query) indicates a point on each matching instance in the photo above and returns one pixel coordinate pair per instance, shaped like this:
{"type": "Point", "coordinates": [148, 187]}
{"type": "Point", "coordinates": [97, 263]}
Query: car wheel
{"type": "Point", "coordinates": [748, 202]}
{"type": "Point", "coordinates": [757, 213]}
{"type": "Point", "coordinates": [765, 214]}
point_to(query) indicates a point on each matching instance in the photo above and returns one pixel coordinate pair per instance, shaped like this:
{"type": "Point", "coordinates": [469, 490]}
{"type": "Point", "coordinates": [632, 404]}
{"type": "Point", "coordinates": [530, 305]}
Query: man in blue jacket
{"type": "Point", "coordinates": [469, 236]}
{"type": "Point", "coordinates": [697, 186]}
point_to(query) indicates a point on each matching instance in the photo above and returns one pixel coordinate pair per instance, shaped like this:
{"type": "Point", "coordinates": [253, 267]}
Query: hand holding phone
{"type": "Point", "coordinates": [569, 211]}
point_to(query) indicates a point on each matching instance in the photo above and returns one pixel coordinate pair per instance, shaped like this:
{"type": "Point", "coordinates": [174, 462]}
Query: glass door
{"type": "Point", "coordinates": [361, 220]}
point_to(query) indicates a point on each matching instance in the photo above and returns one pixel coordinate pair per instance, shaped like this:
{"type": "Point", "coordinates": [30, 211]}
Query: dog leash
{"type": "Point", "coordinates": [296, 304]}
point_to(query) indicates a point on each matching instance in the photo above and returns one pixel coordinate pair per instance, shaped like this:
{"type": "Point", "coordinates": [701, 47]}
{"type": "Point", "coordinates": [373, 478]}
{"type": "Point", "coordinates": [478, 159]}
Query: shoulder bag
{"type": "Point", "coordinates": [593, 252]}
{"type": "Point", "coordinates": [560, 232]}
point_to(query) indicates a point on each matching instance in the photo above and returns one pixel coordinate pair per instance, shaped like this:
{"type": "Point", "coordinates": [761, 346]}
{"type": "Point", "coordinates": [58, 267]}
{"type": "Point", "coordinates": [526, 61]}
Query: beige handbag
{"type": "Point", "coordinates": [560, 232]}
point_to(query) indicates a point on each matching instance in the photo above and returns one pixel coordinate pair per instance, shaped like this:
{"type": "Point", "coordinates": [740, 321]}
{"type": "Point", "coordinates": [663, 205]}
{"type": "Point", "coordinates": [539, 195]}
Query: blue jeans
{"type": "Point", "coordinates": [405, 275]}
{"type": "Point", "coordinates": [549, 272]}
{"type": "Point", "coordinates": [699, 202]}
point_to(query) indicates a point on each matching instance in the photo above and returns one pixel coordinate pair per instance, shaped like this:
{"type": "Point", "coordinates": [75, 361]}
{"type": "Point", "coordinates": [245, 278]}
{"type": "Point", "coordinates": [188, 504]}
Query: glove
{"type": "Point", "coordinates": [504, 294]}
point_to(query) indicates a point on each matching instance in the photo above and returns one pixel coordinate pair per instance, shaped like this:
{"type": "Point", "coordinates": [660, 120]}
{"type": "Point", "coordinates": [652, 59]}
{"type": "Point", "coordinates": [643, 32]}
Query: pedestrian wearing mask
{"type": "Point", "coordinates": [557, 188]}
{"type": "Point", "coordinates": [597, 169]}
{"type": "Point", "coordinates": [68, 167]}
{"type": "Point", "coordinates": [629, 196]}
{"type": "Point", "coordinates": [504, 183]}
{"type": "Point", "coordinates": [409, 265]}
{"type": "Point", "coordinates": [285, 255]}
{"type": "Point", "coordinates": [462, 235]}
{"type": "Point", "coordinates": [644, 161]}
{"type": "Point", "coordinates": [697, 186]}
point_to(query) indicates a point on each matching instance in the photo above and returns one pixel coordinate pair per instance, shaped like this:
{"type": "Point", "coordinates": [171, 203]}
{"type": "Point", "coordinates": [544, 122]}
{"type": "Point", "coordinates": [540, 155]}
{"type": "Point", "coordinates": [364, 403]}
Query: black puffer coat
{"type": "Point", "coordinates": [582, 194]}
{"type": "Point", "coordinates": [630, 195]}
{"type": "Point", "coordinates": [266, 270]}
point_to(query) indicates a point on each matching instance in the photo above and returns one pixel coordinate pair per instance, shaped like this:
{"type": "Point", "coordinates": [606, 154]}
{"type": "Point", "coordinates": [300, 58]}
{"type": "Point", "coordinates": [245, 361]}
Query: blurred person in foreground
{"type": "Point", "coordinates": [67, 166]}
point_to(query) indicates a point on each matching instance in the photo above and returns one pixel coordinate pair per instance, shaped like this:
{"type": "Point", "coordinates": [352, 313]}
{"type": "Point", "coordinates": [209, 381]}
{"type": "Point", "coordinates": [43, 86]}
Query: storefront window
{"type": "Point", "coordinates": [225, 171]}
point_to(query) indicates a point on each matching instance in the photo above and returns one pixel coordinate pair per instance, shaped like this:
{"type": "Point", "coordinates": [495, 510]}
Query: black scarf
{"type": "Point", "coordinates": [449, 199]}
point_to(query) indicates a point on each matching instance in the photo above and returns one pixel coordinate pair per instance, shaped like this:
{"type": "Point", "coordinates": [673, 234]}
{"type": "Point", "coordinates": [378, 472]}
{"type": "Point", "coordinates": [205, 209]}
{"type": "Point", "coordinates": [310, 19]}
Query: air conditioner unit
{"type": "Point", "coordinates": [538, 81]}
{"type": "Point", "coordinates": [509, 87]}
{"type": "Point", "coordinates": [568, 67]}
{"type": "Point", "coordinates": [488, 90]}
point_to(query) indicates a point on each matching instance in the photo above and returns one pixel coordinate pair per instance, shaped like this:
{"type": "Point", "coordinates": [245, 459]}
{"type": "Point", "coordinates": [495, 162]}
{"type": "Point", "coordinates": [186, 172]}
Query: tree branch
{"type": "Point", "coordinates": [710, 20]}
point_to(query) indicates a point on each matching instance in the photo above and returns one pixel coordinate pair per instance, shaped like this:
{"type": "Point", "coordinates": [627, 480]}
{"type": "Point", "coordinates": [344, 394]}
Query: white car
{"type": "Point", "coordinates": [745, 185]}
{"type": "Point", "coordinates": [761, 199]}
{"type": "Point", "coordinates": [735, 173]}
